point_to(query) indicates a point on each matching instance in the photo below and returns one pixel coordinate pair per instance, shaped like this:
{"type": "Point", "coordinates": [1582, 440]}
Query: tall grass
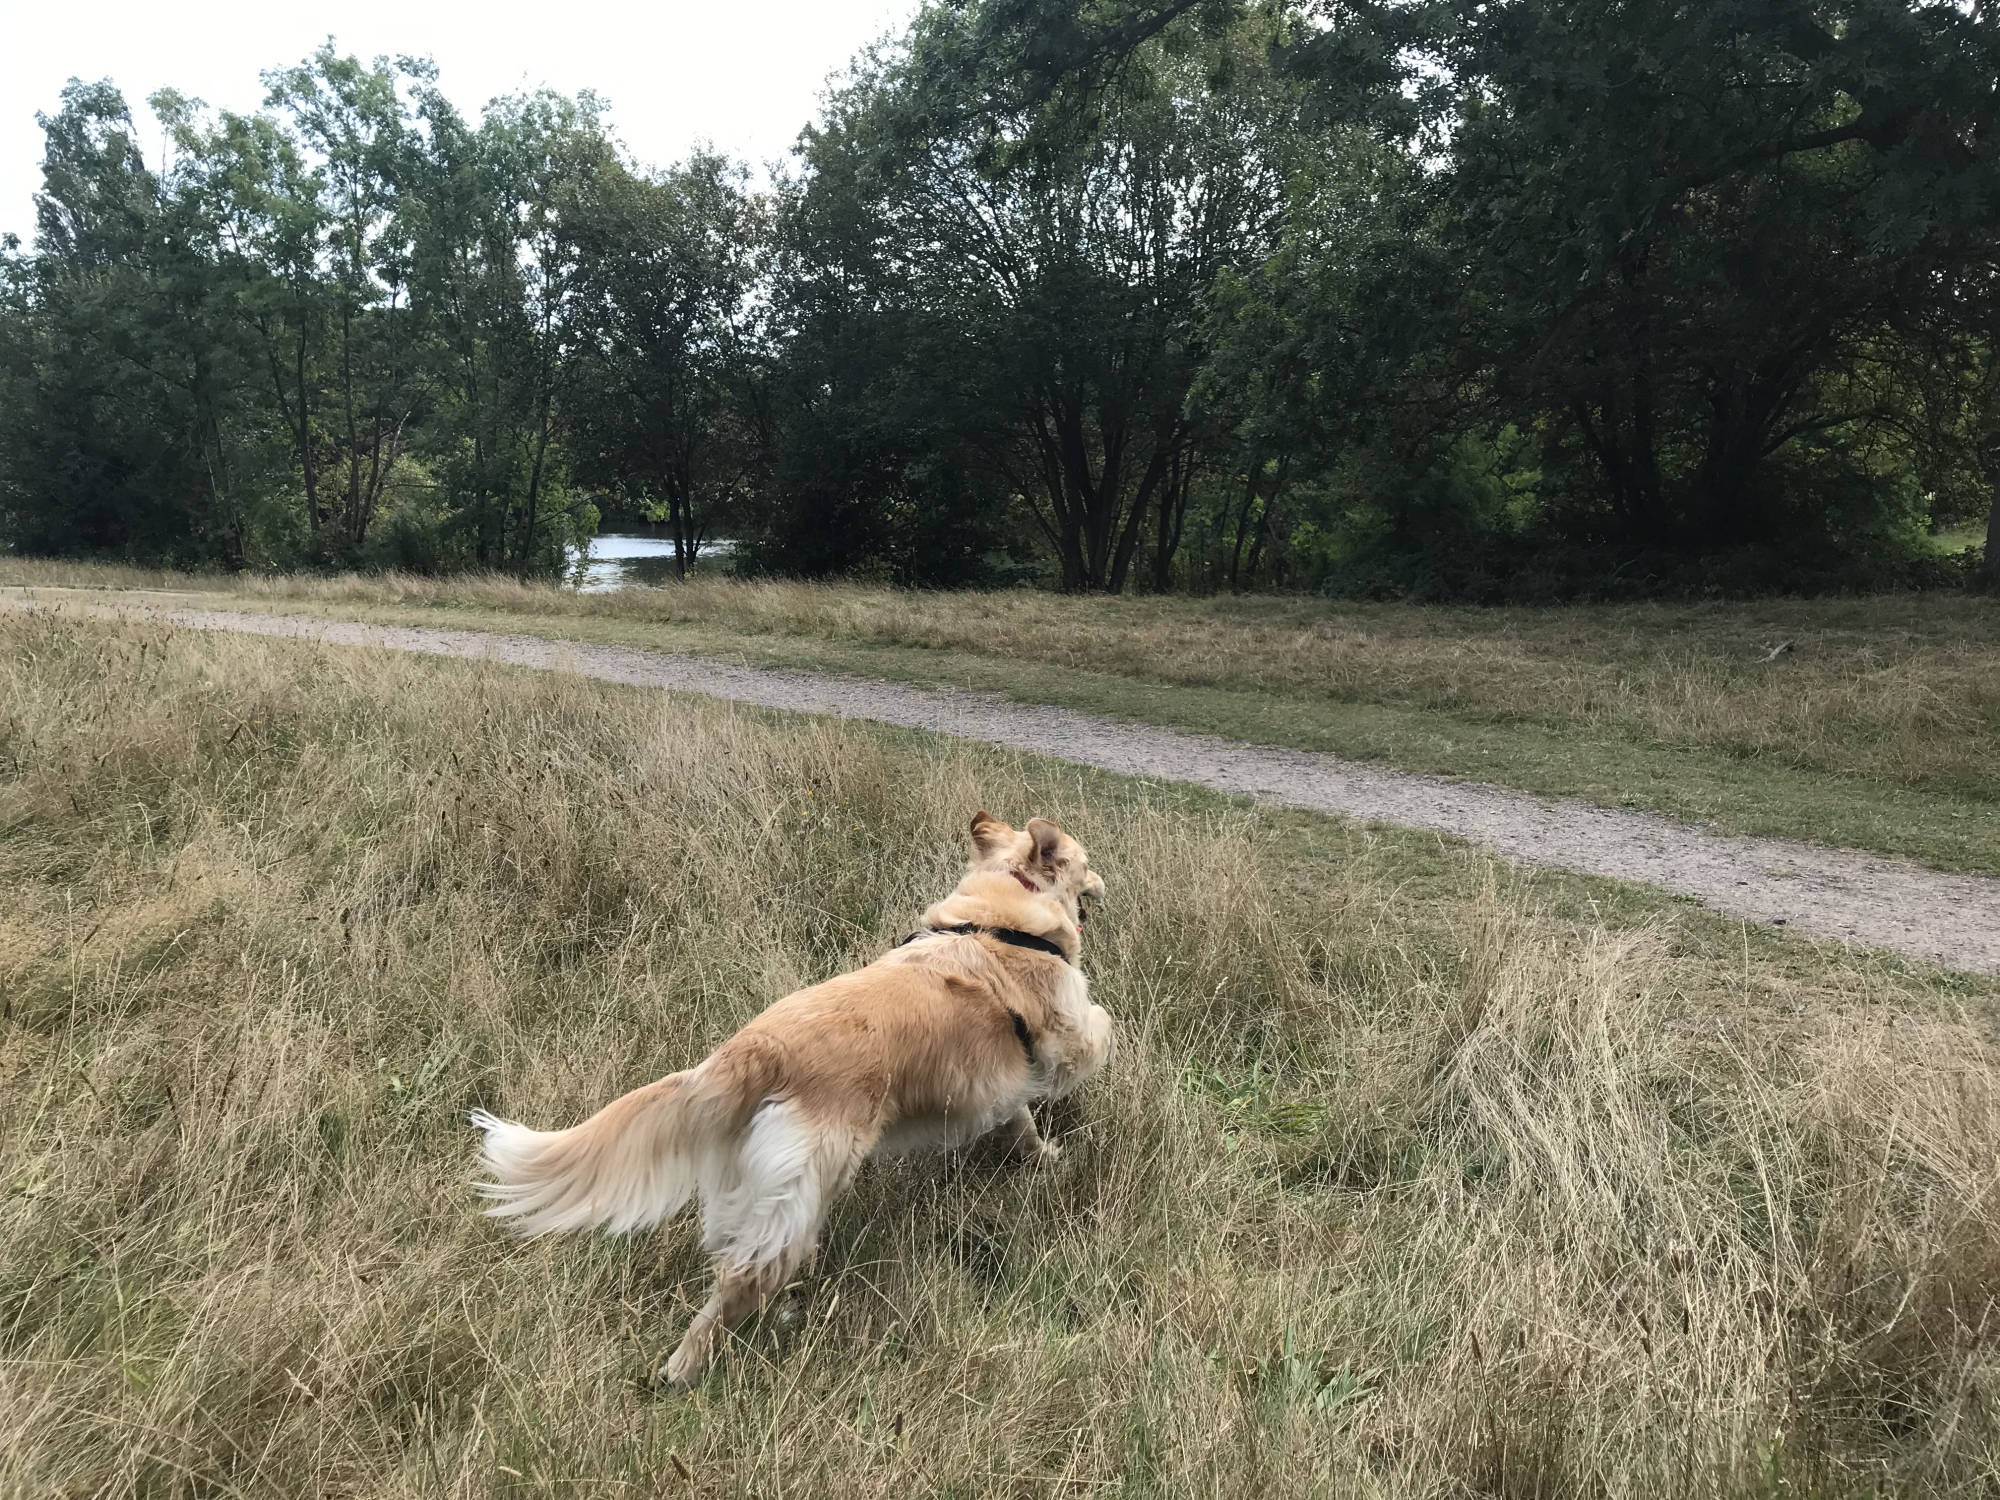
{"type": "Point", "coordinates": [1405, 1183]}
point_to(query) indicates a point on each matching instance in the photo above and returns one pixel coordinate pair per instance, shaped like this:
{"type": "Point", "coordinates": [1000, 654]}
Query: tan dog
{"type": "Point", "coordinates": [939, 1041]}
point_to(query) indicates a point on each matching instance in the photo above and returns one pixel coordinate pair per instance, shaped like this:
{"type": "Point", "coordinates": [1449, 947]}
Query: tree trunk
{"type": "Point", "coordinates": [1252, 472]}
{"type": "Point", "coordinates": [1152, 480]}
{"type": "Point", "coordinates": [298, 422]}
{"type": "Point", "coordinates": [347, 407]}
{"type": "Point", "coordinates": [305, 437]}
{"type": "Point", "coordinates": [1100, 511]}
{"type": "Point", "coordinates": [678, 508]}
{"type": "Point", "coordinates": [1173, 518]}
{"type": "Point", "coordinates": [1618, 428]}
{"type": "Point", "coordinates": [1267, 519]}
{"type": "Point", "coordinates": [527, 558]}
{"type": "Point", "coordinates": [1989, 566]}
{"type": "Point", "coordinates": [1075, 572]}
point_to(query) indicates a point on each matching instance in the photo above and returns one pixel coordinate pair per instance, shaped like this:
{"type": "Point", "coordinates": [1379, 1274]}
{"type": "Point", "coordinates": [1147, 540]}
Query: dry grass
{"type": "Point", "coordinates": [1906, 690]}
{"type": "Point", "coordinates": [1412, 1179]}
{"type": "Point", "coordinates": [1902, 689]}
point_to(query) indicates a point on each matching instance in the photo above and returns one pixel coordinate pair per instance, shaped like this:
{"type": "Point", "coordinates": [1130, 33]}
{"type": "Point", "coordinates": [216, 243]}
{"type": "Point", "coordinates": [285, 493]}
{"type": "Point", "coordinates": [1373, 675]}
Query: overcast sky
{"type": "Point", "coordinates": [742, 74]}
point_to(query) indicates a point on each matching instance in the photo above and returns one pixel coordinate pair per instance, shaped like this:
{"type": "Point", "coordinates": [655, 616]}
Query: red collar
{"type": "Point", "coordinates": [1027, 884]}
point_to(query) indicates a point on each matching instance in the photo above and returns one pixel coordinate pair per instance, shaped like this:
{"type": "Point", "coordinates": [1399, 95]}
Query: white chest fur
{"type": "Point", "coordinates": [1070, 1004]}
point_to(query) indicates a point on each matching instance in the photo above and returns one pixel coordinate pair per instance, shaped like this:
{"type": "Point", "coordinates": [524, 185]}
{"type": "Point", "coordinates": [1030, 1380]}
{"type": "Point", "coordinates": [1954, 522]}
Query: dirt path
{"type": "Point", "coordinates": [1830, 893]}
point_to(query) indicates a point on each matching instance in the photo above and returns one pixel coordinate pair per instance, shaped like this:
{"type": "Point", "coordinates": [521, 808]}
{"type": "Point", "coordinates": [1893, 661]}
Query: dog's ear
{"type": "Point", "coordinates": [988, 832]}
{"type": "Point", "coordinates": [1047, 837]}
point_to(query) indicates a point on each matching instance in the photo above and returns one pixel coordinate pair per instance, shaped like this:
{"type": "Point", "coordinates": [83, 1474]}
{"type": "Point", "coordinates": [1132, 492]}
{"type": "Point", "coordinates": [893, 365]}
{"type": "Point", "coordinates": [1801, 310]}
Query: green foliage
{"type": "Point", "coordinates": [664, 419]}
{"type": "Point", "coordinates": [1426, 297]}
{"type": "Point", "coordinates": [1019, 284]}
{"type": "Point", "coordinates": [126, 421]}
{"type": "Point", "coordinates": [350, 330]}
{"type": "Point", "coordinates": [1720, 259]}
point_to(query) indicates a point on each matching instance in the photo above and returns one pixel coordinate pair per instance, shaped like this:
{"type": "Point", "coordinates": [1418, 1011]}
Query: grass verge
{"type": "Point", "coordinates": [1415, 1176]}
{"type": "Point", "coordinates": [1876, 727]}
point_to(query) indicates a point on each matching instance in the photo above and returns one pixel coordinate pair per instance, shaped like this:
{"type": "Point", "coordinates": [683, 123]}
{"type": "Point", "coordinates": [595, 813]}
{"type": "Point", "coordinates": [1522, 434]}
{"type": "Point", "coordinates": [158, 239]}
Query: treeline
{"type": "Point", "coordinates": [359, 329]}
{"type": "Point", "coordinates": [1448, 298]}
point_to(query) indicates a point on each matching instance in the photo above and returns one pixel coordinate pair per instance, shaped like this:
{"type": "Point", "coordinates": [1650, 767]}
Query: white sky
{"type": "Point", "coordinates": [744, 75]}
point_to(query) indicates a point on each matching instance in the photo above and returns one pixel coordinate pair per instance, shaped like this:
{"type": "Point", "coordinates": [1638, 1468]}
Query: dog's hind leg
{"type": "Point", "coordinates": [739, 1291]}
{"type": "Point", "coordinates": [763, 1224]}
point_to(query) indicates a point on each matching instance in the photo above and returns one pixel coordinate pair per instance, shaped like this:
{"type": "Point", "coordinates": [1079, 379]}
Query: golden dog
{"type": "Point", "coordinates": [942, 1039]}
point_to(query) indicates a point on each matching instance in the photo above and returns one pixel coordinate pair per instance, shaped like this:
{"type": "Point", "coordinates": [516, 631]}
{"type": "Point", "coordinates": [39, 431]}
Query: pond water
{"type": "Point", "coordinates": [629, 560]}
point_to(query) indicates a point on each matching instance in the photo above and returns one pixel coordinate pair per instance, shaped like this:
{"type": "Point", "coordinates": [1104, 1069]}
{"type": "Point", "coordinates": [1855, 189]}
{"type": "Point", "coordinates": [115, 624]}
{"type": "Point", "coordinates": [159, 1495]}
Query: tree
{"type": "Point", "coordinates": [127, 428]}
{"type": "Point", "coordinates": [496, 269]}
{"type": "Point", "coordinates": [1051, 258]}
{"type": "Point", "coordinates": [1434, 295]}
{"type": "Point", "coordinates": [270, 205]}
{"type": "Point", "coordinates": [666, 270]}
{"type": "Point", "coordinates": [338, 218]}
{"type": "Point", "coordinates": [1675, 219]}
{"type": "Point", "coordinates": [1332, 343]}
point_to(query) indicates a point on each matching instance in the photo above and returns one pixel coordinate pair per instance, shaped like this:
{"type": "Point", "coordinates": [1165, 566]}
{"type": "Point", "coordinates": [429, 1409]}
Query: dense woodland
{"type": "Point", "coordinates": [1433, 298]}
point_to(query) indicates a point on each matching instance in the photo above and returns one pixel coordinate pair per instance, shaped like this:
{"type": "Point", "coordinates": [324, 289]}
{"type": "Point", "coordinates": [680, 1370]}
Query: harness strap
{"type": "Point", "coordinates": [1008, 935]}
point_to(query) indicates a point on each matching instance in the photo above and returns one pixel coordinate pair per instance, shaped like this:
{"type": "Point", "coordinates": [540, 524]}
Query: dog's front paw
{"type": "Point", "coordinates": [683, 1367]}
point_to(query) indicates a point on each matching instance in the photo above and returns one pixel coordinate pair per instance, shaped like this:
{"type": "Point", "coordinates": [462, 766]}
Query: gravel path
{"type": "Point", "coordinates": [1830, 893]}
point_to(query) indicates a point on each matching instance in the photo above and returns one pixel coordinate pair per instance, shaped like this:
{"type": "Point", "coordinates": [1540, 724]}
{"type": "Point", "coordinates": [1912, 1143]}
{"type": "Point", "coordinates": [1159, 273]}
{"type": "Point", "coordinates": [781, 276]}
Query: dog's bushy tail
{"type": "Point", "coordinates": [634, 1163]}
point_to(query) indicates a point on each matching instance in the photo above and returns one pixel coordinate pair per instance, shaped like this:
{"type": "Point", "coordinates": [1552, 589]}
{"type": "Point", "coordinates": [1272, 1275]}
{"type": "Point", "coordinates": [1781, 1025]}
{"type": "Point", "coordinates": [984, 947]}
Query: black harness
{"type": "Point", "coordinates": [1014, 938]}
{"type": "Point", "coordinates": [1007, 935]}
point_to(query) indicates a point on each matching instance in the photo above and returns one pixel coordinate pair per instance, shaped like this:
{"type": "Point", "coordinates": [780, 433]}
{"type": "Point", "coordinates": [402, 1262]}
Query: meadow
{"type": "Point", "coordinates": [1417, 1175]}
{"type": "Point", "coordinates": [1870, 722]}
